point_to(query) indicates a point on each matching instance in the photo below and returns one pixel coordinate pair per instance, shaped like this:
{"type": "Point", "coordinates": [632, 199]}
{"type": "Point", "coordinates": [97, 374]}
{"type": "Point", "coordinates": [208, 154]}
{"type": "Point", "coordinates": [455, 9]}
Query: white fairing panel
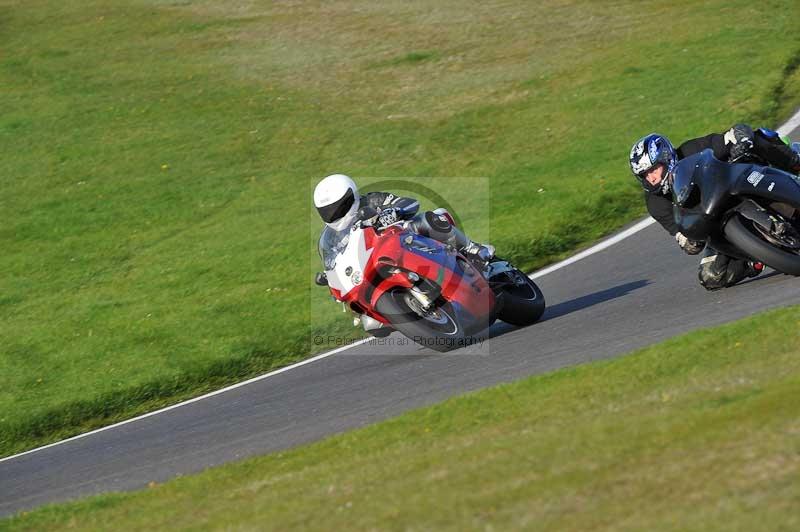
{"type": "Point", "coordinates": [354, 257]}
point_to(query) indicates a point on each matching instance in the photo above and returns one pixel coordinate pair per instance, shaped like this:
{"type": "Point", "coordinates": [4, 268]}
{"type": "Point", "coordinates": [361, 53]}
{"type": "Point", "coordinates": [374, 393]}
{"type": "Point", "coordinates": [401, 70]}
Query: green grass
{"type": "Point", "coordinates": [409, 58]}
{"type": "Point", "coordinates": [158, 160]}
{"type": "Point", "coordinates": [698, 433]}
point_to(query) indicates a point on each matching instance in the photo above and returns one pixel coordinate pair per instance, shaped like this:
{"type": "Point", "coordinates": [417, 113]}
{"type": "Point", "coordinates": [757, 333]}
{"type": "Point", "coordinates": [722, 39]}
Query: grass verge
{"type": "Point", "coordinates": [698, 433]}
{"type": "Point", "coordinates": [158, 159]}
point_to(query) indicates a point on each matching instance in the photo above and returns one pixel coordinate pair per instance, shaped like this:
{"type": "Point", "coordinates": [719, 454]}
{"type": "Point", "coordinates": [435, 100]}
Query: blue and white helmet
{"type": "Point", "coordinates": [649, 152]}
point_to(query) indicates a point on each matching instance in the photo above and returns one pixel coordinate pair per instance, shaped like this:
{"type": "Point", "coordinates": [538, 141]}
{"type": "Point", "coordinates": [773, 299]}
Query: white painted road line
{"type": "Point", "coordinates": [194, 400]}
{"type": "Point", "coordinates": [789, 126]}
{"type": "Point", "coordinates": [594, 249]}
{"type": "Point", "coordinates": [792, 124]}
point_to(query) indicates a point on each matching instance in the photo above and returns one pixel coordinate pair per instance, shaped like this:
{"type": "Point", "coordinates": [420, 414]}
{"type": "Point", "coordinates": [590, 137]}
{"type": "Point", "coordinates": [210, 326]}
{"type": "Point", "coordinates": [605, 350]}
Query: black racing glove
{"type": "Point", "coordinates": [796, 163]}
{"type": "Point", "coordinates": [740, 140]}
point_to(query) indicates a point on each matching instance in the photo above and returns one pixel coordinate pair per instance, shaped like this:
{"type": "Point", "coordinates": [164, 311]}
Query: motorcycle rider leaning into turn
{"type": "Point", "coordinates": [338, 201]}
{"type": "Point", "coordinates": [653, 160]}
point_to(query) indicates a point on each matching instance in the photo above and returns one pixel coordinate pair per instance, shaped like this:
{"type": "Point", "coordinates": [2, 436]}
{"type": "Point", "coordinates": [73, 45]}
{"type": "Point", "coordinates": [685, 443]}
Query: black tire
{"type": "Point", "coordinates": [740, 234]}
{"type": "Point", "coordinates": [440, 331]}
{"type": "Point", "coordinates": [523, 303]}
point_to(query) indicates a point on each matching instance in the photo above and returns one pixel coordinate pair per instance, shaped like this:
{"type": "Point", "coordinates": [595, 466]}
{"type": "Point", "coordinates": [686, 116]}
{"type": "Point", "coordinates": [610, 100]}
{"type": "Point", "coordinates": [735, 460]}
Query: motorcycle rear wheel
{"type": "Point", "coordinates": [742, 234]}
{"type": "Point", "coordinates": [523, 301]}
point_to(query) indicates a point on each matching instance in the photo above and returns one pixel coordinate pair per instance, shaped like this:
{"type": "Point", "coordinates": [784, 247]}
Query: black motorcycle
{"type": "Point", "coordinates": [747, 211]}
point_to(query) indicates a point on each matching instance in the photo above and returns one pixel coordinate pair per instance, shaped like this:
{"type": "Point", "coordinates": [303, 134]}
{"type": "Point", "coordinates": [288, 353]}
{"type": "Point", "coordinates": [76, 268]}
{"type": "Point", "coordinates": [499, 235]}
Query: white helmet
{"type": "Point", "coordinates": [337, 200]}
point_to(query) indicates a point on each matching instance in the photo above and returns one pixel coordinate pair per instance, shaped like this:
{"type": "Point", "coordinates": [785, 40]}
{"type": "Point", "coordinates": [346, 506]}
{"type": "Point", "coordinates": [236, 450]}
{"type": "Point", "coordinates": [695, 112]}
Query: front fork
{"type": "Point", "coordinates": [762, 217]}
{"type": "Point", "coordinates": [426, 298]}
{"type": "Point", "coordinates": [776, 226]}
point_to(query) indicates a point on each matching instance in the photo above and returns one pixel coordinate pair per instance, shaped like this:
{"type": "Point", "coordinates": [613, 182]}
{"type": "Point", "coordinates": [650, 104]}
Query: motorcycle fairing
{"type": "Point", "coordinates": [718, 180]}
{"type": "Point", "coordinates": [382, 261]}
{"type": "Point", "coordinates": [429, 258]}
{"type": "Point", "coordinates": [769, 183]}
{"type": "Point", "coordinates": [348, 271]}
{"type": "Point", "coordinates": [700, 186]}
{"type": "Point", "coordinates": [706, 191]}
{"type": "Point", "coordinates": [703, 182]}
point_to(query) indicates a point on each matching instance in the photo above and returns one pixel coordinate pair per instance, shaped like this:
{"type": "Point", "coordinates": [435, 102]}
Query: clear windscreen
{"type": "Point", "coordinates": [331, 244]}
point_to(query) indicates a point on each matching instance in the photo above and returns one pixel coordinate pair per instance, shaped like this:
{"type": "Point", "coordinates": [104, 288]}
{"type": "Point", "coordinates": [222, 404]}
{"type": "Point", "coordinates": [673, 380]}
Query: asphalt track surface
{"type": "Point", "coordinates": [637, 292]}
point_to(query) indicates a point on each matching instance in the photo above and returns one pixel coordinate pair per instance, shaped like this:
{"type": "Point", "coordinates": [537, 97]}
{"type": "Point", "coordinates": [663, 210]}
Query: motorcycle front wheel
{"type": "Point", "coordinates": [780, 252]}
{"type": "Point", "coordinates": [438, 328]}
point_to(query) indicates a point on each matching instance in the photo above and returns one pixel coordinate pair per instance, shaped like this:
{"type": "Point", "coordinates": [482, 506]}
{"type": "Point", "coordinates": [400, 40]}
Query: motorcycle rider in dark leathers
{"type": "Point", "coordinates": [338, 201]}
{"type": "Point", "coordinates": [653, 160]}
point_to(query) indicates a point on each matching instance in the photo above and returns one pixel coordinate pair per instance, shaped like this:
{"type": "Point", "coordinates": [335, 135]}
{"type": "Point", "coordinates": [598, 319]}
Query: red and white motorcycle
{"type": "Point", "coordinates": [392, 278]}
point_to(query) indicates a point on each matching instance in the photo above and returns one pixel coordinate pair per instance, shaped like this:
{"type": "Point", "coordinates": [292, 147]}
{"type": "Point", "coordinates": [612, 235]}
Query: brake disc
{"type": "Point", "coordinates": [785, 236]}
